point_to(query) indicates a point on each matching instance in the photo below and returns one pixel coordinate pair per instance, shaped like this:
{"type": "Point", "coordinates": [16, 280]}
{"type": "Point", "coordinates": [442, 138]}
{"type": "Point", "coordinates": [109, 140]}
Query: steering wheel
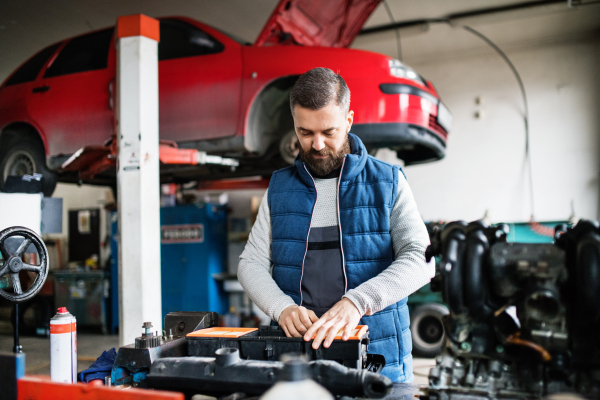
{"type": "Point", "coordinates": [13, 263]}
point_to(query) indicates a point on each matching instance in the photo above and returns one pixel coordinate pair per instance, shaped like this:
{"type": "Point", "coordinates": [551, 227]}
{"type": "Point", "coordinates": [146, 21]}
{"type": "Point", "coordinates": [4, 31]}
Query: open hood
{"type": "Point", "coordinates": [329, 23]}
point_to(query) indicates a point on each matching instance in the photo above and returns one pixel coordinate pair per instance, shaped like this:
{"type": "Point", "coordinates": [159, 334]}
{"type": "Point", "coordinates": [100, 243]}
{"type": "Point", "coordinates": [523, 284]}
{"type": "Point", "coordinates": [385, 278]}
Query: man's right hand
{"type": "Point", "coordinates": [295, 320]}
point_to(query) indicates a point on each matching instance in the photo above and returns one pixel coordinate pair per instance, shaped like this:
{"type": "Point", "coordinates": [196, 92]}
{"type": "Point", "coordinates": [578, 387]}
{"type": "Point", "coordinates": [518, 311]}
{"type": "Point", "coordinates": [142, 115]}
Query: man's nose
{"type": "Point", "coordinates": [318, 142]}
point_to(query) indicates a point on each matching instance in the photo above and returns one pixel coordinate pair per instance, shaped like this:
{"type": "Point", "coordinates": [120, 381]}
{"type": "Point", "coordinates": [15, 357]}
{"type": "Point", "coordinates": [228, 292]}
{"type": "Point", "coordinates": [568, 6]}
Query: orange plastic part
{"type": "Point", "coordinates": [138, 25]}
{"type": "Point", "coordinates": [356, 334]}
{"type": "Point", "coordinates": [222, 332]}
{"type": "Point", "coordinates": [36, 388]}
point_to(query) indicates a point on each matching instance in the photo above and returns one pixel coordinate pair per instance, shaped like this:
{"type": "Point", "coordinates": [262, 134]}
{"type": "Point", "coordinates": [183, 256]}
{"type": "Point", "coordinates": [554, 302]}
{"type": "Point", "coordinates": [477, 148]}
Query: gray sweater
{"type": "Point", "coordinates": [405, 275]}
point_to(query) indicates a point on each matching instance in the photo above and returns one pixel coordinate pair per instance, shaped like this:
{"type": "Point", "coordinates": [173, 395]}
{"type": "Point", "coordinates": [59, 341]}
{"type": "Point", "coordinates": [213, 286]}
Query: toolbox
{"type": "Point", "coordinates": [269, 343]}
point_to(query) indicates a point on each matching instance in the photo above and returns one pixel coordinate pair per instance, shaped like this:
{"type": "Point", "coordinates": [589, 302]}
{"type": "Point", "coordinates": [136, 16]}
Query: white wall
{"type": "Point", "coordinates": [484, 166]}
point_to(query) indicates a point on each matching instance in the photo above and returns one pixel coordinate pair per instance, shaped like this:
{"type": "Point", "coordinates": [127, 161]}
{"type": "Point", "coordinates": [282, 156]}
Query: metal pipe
{"type": "Point", "coordinates": [18, 348]}
{"type": "Point", "coordinates": [464, 15]}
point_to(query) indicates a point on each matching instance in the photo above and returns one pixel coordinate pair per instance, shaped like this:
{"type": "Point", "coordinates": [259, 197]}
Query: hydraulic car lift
{"type": "Point", "coordinates": [135, 150]}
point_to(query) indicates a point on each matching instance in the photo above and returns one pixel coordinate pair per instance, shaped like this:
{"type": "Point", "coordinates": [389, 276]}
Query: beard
{"type": "Point", "coordinates": [323, 166]}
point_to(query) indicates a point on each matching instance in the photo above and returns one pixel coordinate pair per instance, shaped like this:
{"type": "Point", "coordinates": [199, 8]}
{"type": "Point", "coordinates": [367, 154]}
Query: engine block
{"type": "Point", "coordinates": [524, 317]}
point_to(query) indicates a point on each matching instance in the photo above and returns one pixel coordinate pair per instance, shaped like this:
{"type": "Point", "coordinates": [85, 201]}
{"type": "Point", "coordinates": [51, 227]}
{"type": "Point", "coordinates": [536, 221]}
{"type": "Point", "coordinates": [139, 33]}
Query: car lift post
{"type": "Point", "coordinates": [138, 175]}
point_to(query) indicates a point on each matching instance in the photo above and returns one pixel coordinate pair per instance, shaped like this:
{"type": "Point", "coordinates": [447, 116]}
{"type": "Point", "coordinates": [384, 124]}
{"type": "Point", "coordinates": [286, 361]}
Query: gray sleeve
{"type": "Point", "coordinates": [254, 270]}
{"type": "Point", "coordinates": [409, 271]}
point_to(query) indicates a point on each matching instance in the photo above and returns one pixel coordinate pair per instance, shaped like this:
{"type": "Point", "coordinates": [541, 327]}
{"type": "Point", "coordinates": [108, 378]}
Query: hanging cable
{"type": "Point", "coordinates": [397, 30]}
{"type": "Point", "coordinates": [525, 106]}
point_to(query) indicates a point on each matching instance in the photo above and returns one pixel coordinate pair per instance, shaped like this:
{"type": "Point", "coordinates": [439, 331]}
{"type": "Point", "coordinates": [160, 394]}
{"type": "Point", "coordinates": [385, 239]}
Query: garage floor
{"type": "Point", "coordinates": [91, 345]}
{"type": "Point", "coordinates": [37, 350]}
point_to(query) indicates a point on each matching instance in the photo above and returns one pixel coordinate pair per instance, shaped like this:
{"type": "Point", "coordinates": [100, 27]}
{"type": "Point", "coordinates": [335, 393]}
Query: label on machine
{"type": "Point", "coordinates": [190, 233]}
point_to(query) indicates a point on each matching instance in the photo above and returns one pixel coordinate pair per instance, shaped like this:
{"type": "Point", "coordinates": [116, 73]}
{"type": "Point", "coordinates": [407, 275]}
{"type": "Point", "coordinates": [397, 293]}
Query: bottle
{"type": "Point", "coordinates": [295, 384]}
{"type": "Point", "coordinates": [63, 347]}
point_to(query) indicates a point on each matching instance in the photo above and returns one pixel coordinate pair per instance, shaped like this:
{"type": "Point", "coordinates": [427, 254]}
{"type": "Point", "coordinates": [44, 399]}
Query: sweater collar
{"type": "Point", "coordinates": [353, 162]}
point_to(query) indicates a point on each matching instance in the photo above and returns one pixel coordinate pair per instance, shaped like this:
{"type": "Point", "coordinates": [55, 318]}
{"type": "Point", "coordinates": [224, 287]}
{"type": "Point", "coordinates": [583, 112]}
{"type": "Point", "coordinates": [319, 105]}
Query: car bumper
{"type": "Point", "coordinates": [414, 144]}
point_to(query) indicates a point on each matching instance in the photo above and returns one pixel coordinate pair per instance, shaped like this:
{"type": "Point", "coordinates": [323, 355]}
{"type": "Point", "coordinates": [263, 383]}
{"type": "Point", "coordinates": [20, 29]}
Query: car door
{"type": "Point", "coordinates": [199, 83]}
{"type": "Point", "coordinates": [72, 103]}
{"type": "Point", "coordinates": [17, 89]}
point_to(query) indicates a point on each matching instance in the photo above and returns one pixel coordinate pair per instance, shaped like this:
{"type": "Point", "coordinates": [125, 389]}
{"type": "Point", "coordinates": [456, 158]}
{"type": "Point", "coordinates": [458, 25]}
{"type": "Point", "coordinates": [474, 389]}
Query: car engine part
{"type": "Point", "coordinates": [269, 343]}
{"type": "Point", "coordinates": [524, 317]}
{"type": "Point", "coordinates": [220, 364]}
{"type": "Point", "coordinates": [226, 373]}
{"type": "Point", "coordinates": [133, 361]}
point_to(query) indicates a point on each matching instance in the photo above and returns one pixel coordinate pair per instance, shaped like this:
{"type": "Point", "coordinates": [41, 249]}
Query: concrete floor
{"type": "Point", "coordinates": [37, 349]}
{"type": "Point", "coordinates": [91, 345]}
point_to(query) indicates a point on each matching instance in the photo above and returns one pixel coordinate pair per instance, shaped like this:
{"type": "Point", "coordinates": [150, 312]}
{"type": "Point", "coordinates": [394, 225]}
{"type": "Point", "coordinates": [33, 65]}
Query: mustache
{"type": "Point", "coordinates": [322, 152]}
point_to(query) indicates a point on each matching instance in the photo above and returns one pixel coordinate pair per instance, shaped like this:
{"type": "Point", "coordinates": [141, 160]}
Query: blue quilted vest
{"type": "Point", "coordinates": [367, 191]}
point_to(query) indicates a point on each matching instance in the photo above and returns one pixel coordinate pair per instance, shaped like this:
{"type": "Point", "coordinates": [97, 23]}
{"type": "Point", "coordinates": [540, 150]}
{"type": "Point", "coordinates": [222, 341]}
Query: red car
{"type": "Point", "coordinates": [217, 94]}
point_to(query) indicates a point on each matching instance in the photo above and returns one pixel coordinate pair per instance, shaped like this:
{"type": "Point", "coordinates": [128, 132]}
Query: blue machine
{"type": "Point", "coordinates": [193, 248]}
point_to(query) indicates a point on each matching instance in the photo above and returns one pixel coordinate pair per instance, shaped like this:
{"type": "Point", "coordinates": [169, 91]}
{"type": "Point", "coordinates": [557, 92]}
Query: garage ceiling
{"type": "Point", "coordinates": [28, 26]}
{"type": "Point", "coordinates": [539, 24]}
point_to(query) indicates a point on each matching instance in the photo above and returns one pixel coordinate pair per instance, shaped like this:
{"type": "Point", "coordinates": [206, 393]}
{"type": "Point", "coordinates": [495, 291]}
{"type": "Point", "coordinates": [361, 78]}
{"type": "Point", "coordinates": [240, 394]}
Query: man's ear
{"type": "Point", "coordinates": [350, 120]}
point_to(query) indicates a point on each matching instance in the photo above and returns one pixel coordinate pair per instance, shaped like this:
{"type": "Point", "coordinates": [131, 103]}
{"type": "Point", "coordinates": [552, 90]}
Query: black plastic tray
{"type": "Point", "coordinates": [269, 343]}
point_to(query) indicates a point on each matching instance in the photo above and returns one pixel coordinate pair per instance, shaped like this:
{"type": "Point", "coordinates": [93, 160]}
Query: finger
{"type": "Point", "coordinates": [286, 331]}
{"type": "Point", "coordinates": [292, 329]}
{"type": "Point", "coordinates": [348, 331]}
{"type": "Point", "coordinates": [333, 331]}
{"type": "Point", "coordinates": [321, 333]}
{"type": "Point", "coordinates": [313, 329]}
{"type": "Point", "coordinates": [304, 318]}
{"type": "Point", "coordinates": [362, 331]}
{"type": "Point", "coordinates": [298, 324]}
{"type": "Point", "coordinates": [313, 317]}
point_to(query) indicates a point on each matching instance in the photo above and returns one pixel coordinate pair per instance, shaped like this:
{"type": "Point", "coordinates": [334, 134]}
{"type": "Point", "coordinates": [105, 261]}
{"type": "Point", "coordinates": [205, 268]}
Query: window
{"type": "Point", "coordinates": [30, 70]}
{"type": "Point", "coordinates": [179, 39]}
{"type": "Point", "coordinates": [83, 53]}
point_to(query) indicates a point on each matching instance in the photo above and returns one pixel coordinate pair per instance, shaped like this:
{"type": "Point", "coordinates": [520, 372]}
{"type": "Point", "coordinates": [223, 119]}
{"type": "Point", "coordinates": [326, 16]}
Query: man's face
{"type": "Point", "coordinates": [323, 136]}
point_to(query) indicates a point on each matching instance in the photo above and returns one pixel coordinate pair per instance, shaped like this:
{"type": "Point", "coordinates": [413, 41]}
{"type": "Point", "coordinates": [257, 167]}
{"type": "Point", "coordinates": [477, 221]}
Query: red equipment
{"type": "Point", "coordinates": [34, 388]}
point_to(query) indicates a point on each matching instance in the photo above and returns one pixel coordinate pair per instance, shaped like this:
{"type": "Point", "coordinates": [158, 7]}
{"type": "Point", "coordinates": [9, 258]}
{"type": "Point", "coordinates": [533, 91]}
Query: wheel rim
{"type": "Point", "coordinates": [19, 163]}
{"type": "Point", "coordinates": [427, 329]}
{"type": "Point", "coordinates": [431, 330]}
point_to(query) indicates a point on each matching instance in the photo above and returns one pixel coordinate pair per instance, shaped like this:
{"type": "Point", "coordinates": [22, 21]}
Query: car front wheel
{"type": "Point", "coordinates": [25, 156]}
{"type": "Point", "coordinates": [289, 147]}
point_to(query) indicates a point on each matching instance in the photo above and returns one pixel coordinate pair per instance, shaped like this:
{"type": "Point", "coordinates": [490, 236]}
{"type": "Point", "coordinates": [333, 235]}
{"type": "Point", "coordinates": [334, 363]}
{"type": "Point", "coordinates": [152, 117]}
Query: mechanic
{"type": "Point", "coordinates": [338, 239]}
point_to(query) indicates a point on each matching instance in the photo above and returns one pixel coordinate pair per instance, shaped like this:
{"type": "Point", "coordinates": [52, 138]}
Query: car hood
{"type": "Point", "coordinates": [331, 23]}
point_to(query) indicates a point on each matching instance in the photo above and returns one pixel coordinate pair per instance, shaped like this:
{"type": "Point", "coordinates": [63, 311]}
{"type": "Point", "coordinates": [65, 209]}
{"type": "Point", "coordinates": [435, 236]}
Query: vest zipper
{"type": "Point", "coordinates": [340, 226]}
{"type": "Point", "coordinates": [308, 235]}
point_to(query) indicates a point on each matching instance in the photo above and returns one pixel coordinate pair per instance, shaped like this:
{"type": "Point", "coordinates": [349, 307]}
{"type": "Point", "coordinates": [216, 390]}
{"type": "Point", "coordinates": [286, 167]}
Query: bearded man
{"type": "Point", "coordinates": [338, 239]}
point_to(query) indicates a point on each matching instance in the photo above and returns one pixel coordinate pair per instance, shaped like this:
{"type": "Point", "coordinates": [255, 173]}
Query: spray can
{"type": "Point", "coordinates": [63, 347]}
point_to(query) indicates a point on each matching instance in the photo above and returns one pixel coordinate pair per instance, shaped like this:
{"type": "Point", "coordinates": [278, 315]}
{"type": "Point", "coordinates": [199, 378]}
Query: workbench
{"type": "Point", "coordinates": [404, 391]}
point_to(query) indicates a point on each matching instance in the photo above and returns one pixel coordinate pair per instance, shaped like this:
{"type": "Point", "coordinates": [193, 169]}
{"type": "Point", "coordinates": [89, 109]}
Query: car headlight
{"type": "Point", "coordinates": [400, 70]}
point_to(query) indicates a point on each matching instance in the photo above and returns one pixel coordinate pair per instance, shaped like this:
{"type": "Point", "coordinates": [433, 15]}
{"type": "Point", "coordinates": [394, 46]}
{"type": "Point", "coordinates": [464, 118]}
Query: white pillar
{"type": "Point", "coordinates": [138, 176]}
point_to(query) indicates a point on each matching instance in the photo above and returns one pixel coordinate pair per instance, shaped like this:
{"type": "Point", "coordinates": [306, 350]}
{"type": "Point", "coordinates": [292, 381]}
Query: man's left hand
{"type": "Point", "coordinates": [343, 315]}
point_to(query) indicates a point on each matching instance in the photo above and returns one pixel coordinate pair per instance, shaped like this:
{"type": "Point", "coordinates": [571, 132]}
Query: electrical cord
{"type": "Point", "coordinates": [525, 106]}
{"type": "Point", "coordinates": [515, 73]}
{"type": "Point", "coordinates": [397, 30]}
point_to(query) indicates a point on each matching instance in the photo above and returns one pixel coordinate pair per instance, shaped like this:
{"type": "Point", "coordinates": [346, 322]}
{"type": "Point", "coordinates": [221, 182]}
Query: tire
{"type": "Point", "coordinates": [25, 155]}
{"type": "Point", "coordinates": [289, 147]}
{"type": "Point", "coordinates": [427, 329]}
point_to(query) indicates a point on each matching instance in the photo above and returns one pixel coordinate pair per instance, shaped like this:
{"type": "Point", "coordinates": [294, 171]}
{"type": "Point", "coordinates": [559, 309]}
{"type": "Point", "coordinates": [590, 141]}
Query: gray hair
{"type": "Point", "coordinates": [317, 87]}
